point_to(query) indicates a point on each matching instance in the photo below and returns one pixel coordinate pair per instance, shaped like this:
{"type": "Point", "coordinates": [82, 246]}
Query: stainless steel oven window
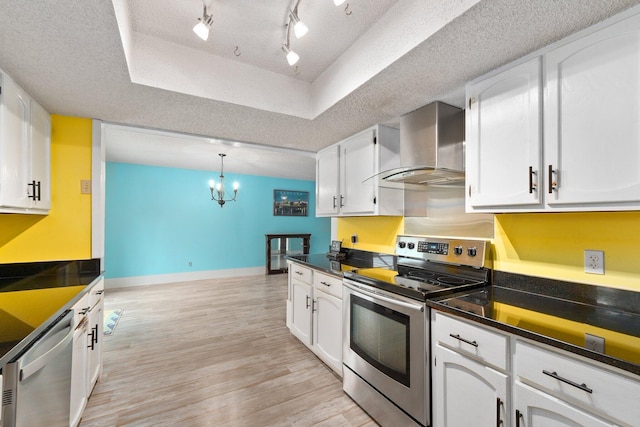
{"type": "Point", "coordinates": [380, 336]}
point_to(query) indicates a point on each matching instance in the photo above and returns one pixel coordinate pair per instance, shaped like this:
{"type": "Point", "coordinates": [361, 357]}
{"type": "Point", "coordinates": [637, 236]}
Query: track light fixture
{"type": "Point", "coordinates": [202, 28]}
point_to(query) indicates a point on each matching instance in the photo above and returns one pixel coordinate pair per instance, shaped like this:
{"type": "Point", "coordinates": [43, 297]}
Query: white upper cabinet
{"type": "Point", "coordinates": [346, 181]}
{"type": "Point", "coordinates": [14, 144]}
{"type": "Point", "coordinates": [327, 181]}
{"type": "Point", "coordinates": [504, 138]}
{"type": "Point", "coordinates": [592, 119]}
{"type": "Point", "coordinates": [25, 152]}
{"type": "Point", "coordinates": [588, 155]}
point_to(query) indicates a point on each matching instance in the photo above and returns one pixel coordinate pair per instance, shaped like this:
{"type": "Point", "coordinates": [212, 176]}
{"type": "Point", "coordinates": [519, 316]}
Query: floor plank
{"type": "Point", "coordinates": [213, 353]}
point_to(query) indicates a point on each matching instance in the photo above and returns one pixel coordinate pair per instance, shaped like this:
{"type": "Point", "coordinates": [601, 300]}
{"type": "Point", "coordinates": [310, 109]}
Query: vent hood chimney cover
{"type": "Point", "coordinates": [431, 147]}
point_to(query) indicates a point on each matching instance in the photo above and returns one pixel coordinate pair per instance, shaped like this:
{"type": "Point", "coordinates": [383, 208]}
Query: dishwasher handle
{"type": "Point", "coordinates": [34, 366]}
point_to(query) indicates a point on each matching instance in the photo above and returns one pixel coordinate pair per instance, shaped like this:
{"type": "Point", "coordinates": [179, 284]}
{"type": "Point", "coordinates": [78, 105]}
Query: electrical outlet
{"type": "Point", "coordinates": [354, 239]}
{"type": "Point", "coordinates": [594, 343]}
{"type": "Point", "coordinates": [190, 264]}
{"type": "Point", "coordinates": [85, 186]}
{"type": "Point", "coordinates": [594, 262]}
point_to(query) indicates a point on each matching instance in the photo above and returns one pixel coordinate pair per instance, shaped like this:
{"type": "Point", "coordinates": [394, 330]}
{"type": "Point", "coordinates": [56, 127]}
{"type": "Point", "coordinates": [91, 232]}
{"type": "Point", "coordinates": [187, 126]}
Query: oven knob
{"type": "Point", "coordinates": [402, 244]}
{"type": "Point", "coordinates": [411, 245]}
{"type": "Point", "coordinates": [457, 250]}
{"type": "Point", "coordinates": [472, 251]}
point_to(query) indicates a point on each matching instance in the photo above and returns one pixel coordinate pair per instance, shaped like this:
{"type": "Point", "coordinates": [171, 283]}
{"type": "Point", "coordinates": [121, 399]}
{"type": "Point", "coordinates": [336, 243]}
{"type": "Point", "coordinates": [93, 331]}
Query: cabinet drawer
{"type": "Point", "coordinates": [96, 292]}
{"type": "Point", "coordinates": [583, 383]}
{"type": "Point", "coordinates": [327, 283]}
{"type": "Point", "coordinates": [301, 273]}
{"type": "Point", "coordinates": [483, 344]}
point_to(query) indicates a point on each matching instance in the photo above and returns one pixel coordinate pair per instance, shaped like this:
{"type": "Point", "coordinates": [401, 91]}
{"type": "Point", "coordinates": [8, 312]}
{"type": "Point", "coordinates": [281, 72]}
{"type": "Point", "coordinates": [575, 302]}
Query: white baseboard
{"type": "Point", "coordinates": [157, 279]}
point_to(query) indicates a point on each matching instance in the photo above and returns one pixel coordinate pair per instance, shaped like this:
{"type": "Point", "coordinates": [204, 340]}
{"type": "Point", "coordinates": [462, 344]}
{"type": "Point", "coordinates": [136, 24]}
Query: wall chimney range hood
{"type": "Point", "coordinates": [431, 147]}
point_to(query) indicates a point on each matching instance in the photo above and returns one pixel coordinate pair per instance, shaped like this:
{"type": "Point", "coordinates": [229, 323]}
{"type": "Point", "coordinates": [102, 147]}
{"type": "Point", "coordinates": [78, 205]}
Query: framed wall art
{"type": "Point", "coordinates": [290, 203]}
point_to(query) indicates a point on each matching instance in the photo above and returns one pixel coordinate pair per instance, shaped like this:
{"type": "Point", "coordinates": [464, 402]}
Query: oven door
{"type": "Point", "coordinates": [384, 343]}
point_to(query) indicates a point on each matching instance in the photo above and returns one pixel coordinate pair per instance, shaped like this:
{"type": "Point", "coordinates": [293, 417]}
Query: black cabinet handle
{"type": "Point", "coordinates": [307, 301]}
{"type": "Point", "coordinates": [555, 375]}
{"type": "Point", "coordinates": [91, 339]}
{"type": "Point", "coordinates": [299, 273]}
{"type": "Point", "coordinates": [518, 416]}
{"type": "Point", "coordinates": [95, 336]}
{"type": "Point", "coordinates": [498, 417]}
{"type": "Point", "coordinates": [334, 201]}
{"type": "Point", "coordinates": [313, 305]}
{"type": "Point", "coordinates": [552, 184]}
{"type": "Point", "coordinates": [532, 185]}
{"type": "Point", "coordinates": [341, 201]}
{"type": "Point", "coordinates": [326, 284]}
{"type": "Point", "coordinates": [458, 337]}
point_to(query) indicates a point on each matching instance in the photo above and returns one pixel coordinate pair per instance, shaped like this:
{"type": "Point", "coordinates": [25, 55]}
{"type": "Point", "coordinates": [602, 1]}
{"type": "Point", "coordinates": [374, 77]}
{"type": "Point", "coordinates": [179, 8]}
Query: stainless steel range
{"type": "Point", "coordinates": [386, 340]}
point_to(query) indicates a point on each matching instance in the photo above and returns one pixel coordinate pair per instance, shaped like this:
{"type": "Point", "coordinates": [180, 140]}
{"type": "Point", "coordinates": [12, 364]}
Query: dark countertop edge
{"type": "Point", "coordinates": [28, 340]}
{"type": "Point", "coordinates": [354, 258]}
{"type": "Point", "coordinates": [599, 357]}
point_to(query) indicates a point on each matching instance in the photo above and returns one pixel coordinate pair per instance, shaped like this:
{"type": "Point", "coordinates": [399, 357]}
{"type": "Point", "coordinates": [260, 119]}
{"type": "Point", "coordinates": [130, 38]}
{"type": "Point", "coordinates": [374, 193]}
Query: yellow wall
{"type": "Point", "coordinates": [375, 234]}
{"type": "Point", "coordinates": [552, 245]}
{"type": "Point", "coordinates": [66, 232]}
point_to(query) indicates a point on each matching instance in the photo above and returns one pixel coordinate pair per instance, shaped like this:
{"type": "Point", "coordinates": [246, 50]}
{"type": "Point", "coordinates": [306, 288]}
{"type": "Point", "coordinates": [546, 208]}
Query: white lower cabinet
{"type": "Point", "coordinates": [314, 313]}
{"type": "Point", "coordinates": [482, 376]}
{"type": "Point", "coordinates": [79, 393]}
{"type": "Point", "coordinates": [301, 297]}
{"type": "Point", "coordinates": [327, 329]}
{"type": "Point", "coordinates": [466, 391]}
{"type": "Point", "coordinates": [539, 409]}
{"type": "Point", "coordinates": [95, 334]}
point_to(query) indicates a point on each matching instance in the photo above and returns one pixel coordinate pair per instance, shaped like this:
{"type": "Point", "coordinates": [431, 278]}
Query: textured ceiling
{"type": "Point", "coordinates": [69, 55]}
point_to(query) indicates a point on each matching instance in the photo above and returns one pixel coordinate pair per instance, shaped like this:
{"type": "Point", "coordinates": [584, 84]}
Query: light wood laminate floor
{"type": "Point", "coordinates": [213, 353]}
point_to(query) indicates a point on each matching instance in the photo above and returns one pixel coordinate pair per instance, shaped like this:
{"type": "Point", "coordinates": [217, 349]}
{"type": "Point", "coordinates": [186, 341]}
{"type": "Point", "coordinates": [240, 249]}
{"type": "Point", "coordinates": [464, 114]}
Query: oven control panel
{"type": "Point", "coordinates": [471, 253]}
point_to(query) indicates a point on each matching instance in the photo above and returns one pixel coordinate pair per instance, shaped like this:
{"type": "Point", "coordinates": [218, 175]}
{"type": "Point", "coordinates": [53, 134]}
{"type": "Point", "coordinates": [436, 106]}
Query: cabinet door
{"type": "Point", "coordinates": [592, 118]}
{"type": "Point", "coordinates": [467, 393]}
{"type": "Point", "coordinates": [358, 161]}
{"type": "Point", "coordinates": [327, 181]}
{"type": "Point", "coordinates": [78, 396]}
{"type": "Point", "coordinates": [14, 145]}
{"type": "Point", "coordinates": [301, 311]}
{"type": "Point", "coordinates": [503, 138]}
{"type": "Point", "coordinates": [327, 329]}
{"type": "Point", "coordinates": [535, 408]}
{"type": "Point", "coordinates": [41, 155]}
{"type": "Point", "coordinates": [95, 335]}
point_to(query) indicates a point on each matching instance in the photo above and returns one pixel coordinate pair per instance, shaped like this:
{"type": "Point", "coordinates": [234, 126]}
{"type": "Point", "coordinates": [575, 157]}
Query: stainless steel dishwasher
{"type": "Point", "coordinates": [37, 383]}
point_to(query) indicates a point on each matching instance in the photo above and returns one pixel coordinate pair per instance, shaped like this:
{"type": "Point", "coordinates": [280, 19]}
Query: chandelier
{"type": "Point", "coordinates": [217, 188]}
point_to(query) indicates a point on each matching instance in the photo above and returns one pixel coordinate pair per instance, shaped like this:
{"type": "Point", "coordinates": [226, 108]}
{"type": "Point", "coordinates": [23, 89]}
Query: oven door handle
{"type": "Point", "coordinates": [384, 298]}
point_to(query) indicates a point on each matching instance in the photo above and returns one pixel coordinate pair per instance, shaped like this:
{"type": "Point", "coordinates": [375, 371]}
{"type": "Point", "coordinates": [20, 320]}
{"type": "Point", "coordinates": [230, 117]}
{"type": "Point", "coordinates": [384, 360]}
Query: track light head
{"type": "Point", "coordinates": [292, 57]}
{"type": "Point", "coordinates": [299, 28]}
{"type": "Point", "coordinates": [202, 27]}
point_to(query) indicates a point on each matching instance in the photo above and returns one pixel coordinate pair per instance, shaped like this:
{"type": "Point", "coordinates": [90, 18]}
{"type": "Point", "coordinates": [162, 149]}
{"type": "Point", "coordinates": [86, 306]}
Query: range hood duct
{"type": "Point", "coordinates": [431, 147]}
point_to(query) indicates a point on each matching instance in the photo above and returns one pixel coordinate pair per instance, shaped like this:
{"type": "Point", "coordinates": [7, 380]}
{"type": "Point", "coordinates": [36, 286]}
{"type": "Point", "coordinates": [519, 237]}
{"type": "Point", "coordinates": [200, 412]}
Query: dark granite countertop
{"type": "Point", "coordinates": [52, 287]}
{"type": "Point", "coordinates": [557, 313]}
{"type": "Point", "coordinates": [352, 260]}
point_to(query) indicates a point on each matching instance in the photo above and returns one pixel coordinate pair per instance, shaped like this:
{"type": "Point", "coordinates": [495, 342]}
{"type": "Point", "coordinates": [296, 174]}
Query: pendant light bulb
{"type": "Point", "coordinates": [338, 2]}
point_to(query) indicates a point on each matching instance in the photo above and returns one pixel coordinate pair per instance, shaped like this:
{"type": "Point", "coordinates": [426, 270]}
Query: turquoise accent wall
{"type": "Point", "coordinates": [159, 219]}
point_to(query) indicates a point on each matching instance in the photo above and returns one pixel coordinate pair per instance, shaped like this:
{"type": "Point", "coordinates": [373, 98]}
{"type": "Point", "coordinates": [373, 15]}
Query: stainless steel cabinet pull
{"type": "Point", "coordinates": [341, 201]}
{"type": "Point", "coordinates": [334, 201]}
{"type": "Point", "coordinates": [552, 184]}
{"type": "Point", "coordinates": [307, 301]}
{"type": "Point", "coordinates": [532, 185]}
{"type": "Point", "coordinates": [555, 375]}
{"type": "Point", "coordinates": [313, 305]}
{"type": "Point", "coordinates": [326, 284]}
{"type": "Point", "coordinates": [498, 417]}
{"type": "Point", "coordinates": [458, 337]}
{"type": "Point", "coordinates": [518, 416]}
